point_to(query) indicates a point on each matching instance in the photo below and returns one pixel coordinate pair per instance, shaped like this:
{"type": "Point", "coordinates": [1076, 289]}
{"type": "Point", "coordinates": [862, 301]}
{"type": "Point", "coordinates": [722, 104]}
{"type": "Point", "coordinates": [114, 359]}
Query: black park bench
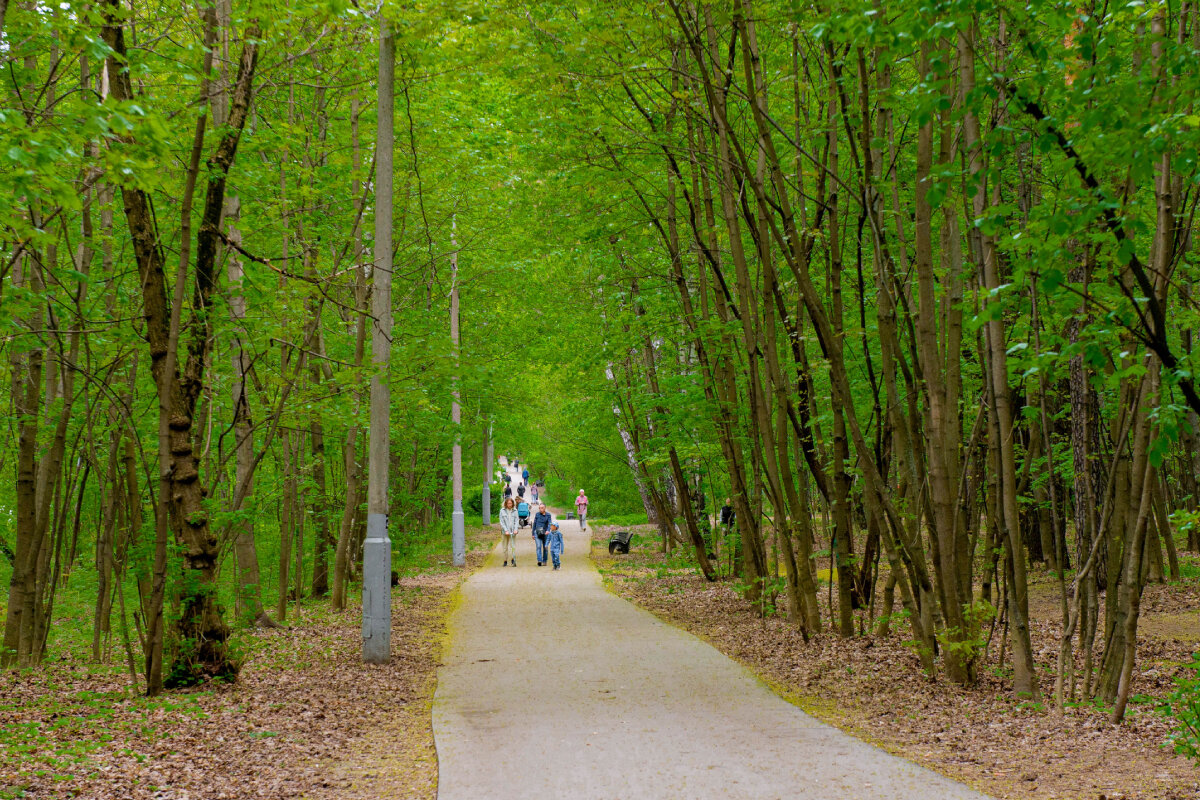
{"type": "Point", "coordinates": [619, 542]}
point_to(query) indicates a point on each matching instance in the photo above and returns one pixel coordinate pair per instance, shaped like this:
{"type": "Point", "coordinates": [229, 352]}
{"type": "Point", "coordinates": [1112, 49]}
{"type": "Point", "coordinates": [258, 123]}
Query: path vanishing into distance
{"type": "Point", "coordinates": [552, 686]}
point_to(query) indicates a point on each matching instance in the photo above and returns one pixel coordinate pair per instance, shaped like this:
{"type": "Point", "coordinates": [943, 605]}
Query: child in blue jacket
{"type": "Point", "coordinates": [556, 544]}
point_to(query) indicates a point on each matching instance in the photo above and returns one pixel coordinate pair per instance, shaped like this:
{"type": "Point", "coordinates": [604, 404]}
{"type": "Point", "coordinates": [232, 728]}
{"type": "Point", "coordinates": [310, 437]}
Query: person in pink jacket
{"type": "Point", "coordinates": [581, 504]}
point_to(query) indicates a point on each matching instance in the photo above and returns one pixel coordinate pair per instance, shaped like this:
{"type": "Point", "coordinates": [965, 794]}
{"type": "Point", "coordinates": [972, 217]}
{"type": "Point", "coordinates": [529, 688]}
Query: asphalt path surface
{"type": "Point", "coordinates": [553, 687]}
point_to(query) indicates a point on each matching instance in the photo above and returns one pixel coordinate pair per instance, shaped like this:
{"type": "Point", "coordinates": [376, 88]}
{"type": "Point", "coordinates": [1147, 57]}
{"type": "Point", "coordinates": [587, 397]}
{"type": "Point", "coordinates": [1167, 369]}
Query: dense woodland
{"type": "Point", "coordinates": [912, 284]}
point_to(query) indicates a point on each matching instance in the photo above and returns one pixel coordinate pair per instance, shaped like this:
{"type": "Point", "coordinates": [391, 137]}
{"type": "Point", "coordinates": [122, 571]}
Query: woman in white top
{"type": "Point", "coordinates": [508, 531]}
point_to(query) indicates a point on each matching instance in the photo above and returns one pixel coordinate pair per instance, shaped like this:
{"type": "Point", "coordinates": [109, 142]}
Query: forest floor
{"type": "Point", "coordinates": [305, 719]}
{"type": "Point", "coordinates": [872, 686]}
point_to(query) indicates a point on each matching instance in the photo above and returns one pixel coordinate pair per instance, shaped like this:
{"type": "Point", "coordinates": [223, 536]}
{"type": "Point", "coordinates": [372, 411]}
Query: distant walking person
{"type": "Point", "coordinates": [541, 533]}
{"type": "Point", "coordinates": [728, 515]}
{"type": "Point", "coordinates": [523, 512]}
{"type": "Point", "coordinates": [728, 528]}
{"type": "Point", "coordinates": [533, 490]}
{"type": "Point", "coordinates": [507, 491]}
{"type": "Point", "coordinates": [556, 544]}
{"type": "Point", "coordinates": [525, 475]}
{"type": "Point", "coordinates": [581, 504]}
{"type": "Point", "coordinates": [521, 490]}
{"type": "Point", "coordinates": [508, 531]}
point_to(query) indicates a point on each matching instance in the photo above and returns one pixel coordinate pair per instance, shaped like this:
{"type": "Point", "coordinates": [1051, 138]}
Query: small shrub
{"type": "Point", "coordinates": [976, 615]}
{"type": "Point", "coordinates": [1185, 709]}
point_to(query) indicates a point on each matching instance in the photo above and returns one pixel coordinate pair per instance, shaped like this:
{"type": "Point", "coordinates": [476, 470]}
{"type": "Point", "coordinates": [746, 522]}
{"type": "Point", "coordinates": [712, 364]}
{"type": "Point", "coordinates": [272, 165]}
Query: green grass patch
{"type": "Point", "coordinates": [621, 520]}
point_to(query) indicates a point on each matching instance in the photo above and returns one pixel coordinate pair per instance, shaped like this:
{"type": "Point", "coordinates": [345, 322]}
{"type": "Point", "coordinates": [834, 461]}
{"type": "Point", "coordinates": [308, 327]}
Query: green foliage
{"type": "Point", "coordinates": [968, 643]}
{"type": "Point", "coordinates": [1185, 709]}
{"type": "Point", "coordinates": [427, 550]}
{"type": "Point", "coordinates": [1184, 521]}
{"type": "Point", "coordinates": [769, 589]}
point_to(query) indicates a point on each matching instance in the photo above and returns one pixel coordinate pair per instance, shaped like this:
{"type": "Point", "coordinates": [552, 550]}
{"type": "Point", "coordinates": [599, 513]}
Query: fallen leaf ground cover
{"type": "Point", "coordinates": [872, 687]}
{"type": "Point", "coordinates": [306, 718]}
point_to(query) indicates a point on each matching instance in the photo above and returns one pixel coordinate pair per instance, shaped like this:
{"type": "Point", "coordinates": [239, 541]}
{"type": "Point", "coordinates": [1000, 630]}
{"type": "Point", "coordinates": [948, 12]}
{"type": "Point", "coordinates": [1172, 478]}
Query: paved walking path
{"type": "Point", "coordinates": [553, 687]}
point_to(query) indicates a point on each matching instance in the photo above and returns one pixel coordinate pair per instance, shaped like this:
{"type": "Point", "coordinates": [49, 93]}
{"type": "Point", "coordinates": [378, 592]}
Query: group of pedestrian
{"type": "Point", "coordinates": [547, 538]}
{"type": "Point", "coordinates": [515, 515]}
{"type": "Point", "coordinates": [522, 487]}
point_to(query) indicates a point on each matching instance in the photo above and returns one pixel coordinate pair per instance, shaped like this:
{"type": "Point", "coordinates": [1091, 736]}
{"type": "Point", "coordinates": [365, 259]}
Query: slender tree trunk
{"type": "Point", "coordinates": [1024, 675]}
{"type": "Point", "coordinates": [288, 524]}
{"type": "Point", "coordinates": [249, 574]}
{"type": "Point", "coordinates": [321, 509]}
{"type": "Point", "coordinates": [341, 565]}
{"type": "Point", "coordinates": [26, 366]}
{"type": "Point", "coordinates": [342, 554]}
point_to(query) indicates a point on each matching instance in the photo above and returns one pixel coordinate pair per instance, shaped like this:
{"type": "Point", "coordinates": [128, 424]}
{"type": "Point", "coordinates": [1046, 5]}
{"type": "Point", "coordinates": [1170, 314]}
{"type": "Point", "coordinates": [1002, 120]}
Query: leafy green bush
{"type": "Point", "coordinates": [473, 499]}
{"type": "Point", "coordinates": [1185, 708]}
{"type": "Point", "coordinates": [969, 647]}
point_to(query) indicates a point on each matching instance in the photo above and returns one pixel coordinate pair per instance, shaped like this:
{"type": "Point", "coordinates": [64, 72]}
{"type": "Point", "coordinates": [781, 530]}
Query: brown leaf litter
{"type": "Point", "coordinates": [306, 719]}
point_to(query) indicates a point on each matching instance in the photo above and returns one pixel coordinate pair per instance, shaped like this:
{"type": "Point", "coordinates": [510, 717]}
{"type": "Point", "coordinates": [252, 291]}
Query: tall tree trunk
{"type": "Point", "coordinates": [843, 525]}
{"type": "Point", "coordinates": [202, 634]}
{"type": "Point", "coordinates": [1024, 674]}
{"type": "Point", "coordinates": [26, 365]}
{"type": "Point", "coordinates": [343, 560]}
{"type": "Point", "coordinates": [249, 574]}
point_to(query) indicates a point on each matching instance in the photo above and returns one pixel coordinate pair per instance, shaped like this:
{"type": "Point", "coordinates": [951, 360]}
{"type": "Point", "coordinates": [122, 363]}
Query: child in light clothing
{"type": "Point", "coordinates": [556, 544]}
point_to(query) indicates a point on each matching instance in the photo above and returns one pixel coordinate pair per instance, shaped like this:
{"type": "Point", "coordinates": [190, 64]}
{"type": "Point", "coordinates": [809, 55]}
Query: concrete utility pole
{"type": "Point", "coordinates": [487, 472]}
{"type": "Point", "coordinates": [458, 522]}
{"type": "Point", "coordinates": [377, 549]}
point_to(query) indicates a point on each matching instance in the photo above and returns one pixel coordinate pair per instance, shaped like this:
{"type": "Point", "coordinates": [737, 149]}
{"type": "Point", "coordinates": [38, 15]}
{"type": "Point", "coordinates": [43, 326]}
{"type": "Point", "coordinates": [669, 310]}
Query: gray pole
{"type": "Point", "coordinates": [458, 535]}
{"type": "Point", "coordinates": [487, 473]}
{"type": "Point", "coordinates": [377, 549]}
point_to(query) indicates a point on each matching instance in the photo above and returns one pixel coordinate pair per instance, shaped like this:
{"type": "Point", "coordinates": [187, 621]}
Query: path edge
{"type": "Point", "coordinates": [807, 703]}
{"type": "Point", "coordinates": [453, 602]}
